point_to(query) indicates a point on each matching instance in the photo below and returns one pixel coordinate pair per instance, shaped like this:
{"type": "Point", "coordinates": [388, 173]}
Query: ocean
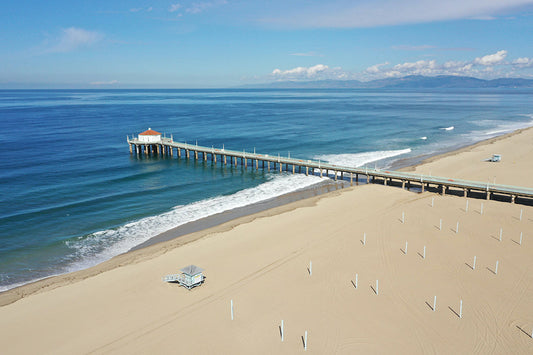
{"type": "Point", "coordinates": [73, 196]}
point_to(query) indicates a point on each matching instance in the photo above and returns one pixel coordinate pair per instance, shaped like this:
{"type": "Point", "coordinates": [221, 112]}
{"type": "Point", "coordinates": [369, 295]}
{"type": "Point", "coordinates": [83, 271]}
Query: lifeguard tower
{"type": "Point", "coordinates": [191, 276]}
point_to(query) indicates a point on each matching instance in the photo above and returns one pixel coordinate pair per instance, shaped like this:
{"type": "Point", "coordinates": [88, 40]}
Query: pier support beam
{"type": "Point", "coordinates": [187, 153]}
{"type": "Point", "coordinates": [403, 184]}
{"type": "Point", "coordinates": [385, 181]}
{"type": "Point", "coordinates": [293, 169]}
{"type": "Point", "coordinates": [465, 192]}
{"type": "Point", "coordinates": [306, 171]}
{"type": "Point", "coordinates": [195, 155]}
{"type": "Point", "coordinates": [422, 187]}
{"type": "Point", "coordinates": [443, 190]}
{"type": "Point", "coordinates": [256, 164]}
{"type": "Point", "coordinates": [179, 152]}
{"type": "Point", "coordinates": [513, 197]}
{"type": "Point", "coordinates": [351, 179]}
{"type": "Point", "coordinates": [131, 149]}
{"type": "Point", "coordinates": [225, 160]}
{"type": "Point", "coordinates": [488, 195]}
{"type": "Point", "coordinates": [334, 172]}
{"type": "Point", "coordinates": [268, 166]}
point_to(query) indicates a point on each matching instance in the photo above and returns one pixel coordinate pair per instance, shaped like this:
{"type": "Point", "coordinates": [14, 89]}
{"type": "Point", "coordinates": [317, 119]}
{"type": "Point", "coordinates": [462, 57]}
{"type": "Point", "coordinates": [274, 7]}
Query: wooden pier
{"type": "Point", "coordinates": [167, 147]}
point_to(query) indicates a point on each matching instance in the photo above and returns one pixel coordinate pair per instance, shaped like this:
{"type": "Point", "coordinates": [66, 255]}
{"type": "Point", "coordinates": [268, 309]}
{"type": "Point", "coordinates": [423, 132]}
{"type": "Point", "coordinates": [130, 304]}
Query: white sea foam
{"type": "Point", "coordinates": [360, 159]}
{"type": "Point", "coordinates": [100, 246]}
{"type": "Point", "coordinates": [507, 127]}
{"type": "Point", "coordinates": [424, 138]}
{"type": "Point", "coordinates": [448, 128]}
{"type": "Point", "coordinates": [502, 127]}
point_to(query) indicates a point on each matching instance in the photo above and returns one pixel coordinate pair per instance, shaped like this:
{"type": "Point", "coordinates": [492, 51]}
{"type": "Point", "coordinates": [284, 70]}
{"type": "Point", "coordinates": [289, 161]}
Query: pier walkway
{"type": "Point", "coordinates": [167, 146]}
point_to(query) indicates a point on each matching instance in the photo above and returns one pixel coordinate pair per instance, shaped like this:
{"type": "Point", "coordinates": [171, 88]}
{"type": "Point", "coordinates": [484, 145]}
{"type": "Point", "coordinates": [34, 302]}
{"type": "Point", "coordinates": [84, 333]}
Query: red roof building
{"type": "Point", "coordinates": [150, 136]}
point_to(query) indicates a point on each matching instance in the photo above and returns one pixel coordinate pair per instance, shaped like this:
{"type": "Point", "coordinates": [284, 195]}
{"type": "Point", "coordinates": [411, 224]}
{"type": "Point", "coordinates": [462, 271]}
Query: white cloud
{"type": "Point", "coordinates": [492, 59]}
{"type": "Point", "coordinates": [316, 69]}
{"type": "Point", "coordinates": [73, 38]}
{"type": "Point", "coordinates": [111, 82]}
{"type": "Point", "coordinates": [374, 69]}
{"type": "Point", "coordinates": [393, 74]}
{"type": "Point", "coordinates": [488, 66]}
{"type": "Point", "coordinates": [316, 72]}
{"type": "Point", "coordinates": [457, 68]}
{"type": "Point", "coordinates": [523, 62]}
{"type": "Point", "coordinates": [421, 65]}
{"type": "Point", "coordinates": [351, 14]}
{"type": "Point", "coordinates": [301, 72]}
{"type": "Point", "coordinates": [479, 67]}
{"type": "Point", "coordinates": [174, 7]}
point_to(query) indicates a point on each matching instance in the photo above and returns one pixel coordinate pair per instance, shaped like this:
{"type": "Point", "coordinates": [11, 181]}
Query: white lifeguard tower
{"type": "Point", "coordinates": [191, 276]}
{"type": "Point", "coordinates": [496, 157]}
{"type": "Point", "coordinates": [150, 137]}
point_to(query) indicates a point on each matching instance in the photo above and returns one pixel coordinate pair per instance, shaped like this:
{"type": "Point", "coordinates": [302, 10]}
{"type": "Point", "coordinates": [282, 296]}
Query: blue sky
{"type": "Point", "coordinates": [225, 43]}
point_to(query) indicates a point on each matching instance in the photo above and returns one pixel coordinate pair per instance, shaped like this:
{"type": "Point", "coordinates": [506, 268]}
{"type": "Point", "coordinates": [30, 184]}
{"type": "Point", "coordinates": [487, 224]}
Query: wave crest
{"type": "Point", "coordinates": [360, 159]}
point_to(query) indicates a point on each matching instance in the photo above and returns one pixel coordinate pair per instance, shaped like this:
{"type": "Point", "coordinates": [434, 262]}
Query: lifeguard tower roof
{"type": "Point", "coordinates": [191, 270]}
{"type": "Point", "coordinates": [150, 132]}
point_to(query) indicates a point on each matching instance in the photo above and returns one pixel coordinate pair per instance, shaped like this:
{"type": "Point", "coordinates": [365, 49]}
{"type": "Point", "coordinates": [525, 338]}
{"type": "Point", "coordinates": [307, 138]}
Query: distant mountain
{"type": "Point", "coordinates": [407, 82]}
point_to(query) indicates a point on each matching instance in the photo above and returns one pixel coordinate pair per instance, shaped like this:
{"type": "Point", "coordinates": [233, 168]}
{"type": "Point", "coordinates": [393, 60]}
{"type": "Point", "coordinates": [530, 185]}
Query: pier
{"type": "Point", "coordinates": [157, 145]}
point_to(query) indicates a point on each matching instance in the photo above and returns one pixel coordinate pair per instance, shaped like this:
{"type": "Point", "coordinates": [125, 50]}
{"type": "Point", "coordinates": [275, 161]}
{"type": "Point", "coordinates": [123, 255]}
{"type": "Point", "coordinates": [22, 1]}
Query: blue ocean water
{"type": "Point", "coordinates": [73, 196]}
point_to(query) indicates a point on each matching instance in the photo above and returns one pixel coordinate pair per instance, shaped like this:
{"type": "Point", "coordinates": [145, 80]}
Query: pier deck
{"type": "Point", "coordinates": [388, 177]}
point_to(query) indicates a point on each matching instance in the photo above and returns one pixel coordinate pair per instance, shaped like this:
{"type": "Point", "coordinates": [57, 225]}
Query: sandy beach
{"type": "Point", "coordinates": [262, 261]}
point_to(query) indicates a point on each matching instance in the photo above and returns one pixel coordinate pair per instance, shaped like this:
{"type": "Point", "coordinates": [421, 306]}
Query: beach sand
{"type": "Point", "coordinates": [261, 263]}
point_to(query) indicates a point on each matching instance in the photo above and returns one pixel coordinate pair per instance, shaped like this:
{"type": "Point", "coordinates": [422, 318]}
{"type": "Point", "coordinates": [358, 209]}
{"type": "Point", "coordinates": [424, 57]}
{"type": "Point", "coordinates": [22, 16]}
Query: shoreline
{"type": "Point", "coordinates": [221, 222]}
{"type": "Point", "coordinates": [239, 212]}
{"type": "Point", "coordinates": [429, 158]}
{"type": "Point", "coordinates": [173, 238]}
